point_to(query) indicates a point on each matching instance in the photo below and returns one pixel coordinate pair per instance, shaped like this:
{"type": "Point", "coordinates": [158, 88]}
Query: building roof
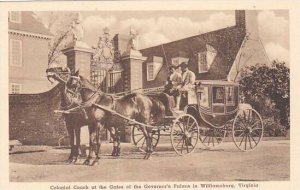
{"type": "Point", "coordinates": [225, 41]}
{"type": "Point", "coordinates": [29, 24]}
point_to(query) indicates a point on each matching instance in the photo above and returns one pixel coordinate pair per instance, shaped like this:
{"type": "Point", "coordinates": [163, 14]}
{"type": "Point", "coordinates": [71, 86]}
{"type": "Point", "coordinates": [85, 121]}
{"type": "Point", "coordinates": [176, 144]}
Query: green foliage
{"type": "Point", "coordinates": [262, 83]}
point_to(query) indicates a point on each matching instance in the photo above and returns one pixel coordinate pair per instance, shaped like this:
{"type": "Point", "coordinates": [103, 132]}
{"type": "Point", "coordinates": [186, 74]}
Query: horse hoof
{"type": "Point", "coordinates": [74, 161]}
{"type": "Point", "coordinates": [95, 162]}
{"type": "Point", "coordinates": [146, 156]}
{"type": "Point", "coordinates": [86, 162]}
{"type": "Point", "coordinates": [69, 161]}
{"type": "Point", "coordinates": [118, 152]}
{"type": "Point", "coordinates": [77, 161]}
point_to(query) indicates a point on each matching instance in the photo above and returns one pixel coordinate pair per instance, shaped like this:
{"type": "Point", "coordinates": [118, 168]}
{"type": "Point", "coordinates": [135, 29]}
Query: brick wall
{"type": "Point", "coordinates": [32, 119]}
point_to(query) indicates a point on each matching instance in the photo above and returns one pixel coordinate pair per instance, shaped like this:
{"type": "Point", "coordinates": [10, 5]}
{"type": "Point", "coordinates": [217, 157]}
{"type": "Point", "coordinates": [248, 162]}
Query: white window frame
{"type": "Point", "coordinates": [11, 17]}
{"type": "Point", "coordinates": [175, 59]}
{"type": "Point", "coordinates": [11, 88]}
{"type": "Point", "coordinates": [11, 41]}
{"type": "Point", "coordinates": [199, 63]}
{"type": "Point", "coordinates": [232, 102]}
{"type": "Point", "coordinates": [148, 75]}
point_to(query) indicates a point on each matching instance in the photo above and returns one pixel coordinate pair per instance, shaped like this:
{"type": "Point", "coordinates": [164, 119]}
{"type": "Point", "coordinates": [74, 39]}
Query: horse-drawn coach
{"type": "Point", "coordinates": [212, 110]}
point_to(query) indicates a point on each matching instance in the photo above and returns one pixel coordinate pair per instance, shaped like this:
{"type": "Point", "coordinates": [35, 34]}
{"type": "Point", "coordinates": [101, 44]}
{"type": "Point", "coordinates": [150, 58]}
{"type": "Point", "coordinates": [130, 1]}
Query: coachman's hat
{"type": "Point", "coordinates": [183, 65]}
{"type": "Point", "coordinates": [173, 67]}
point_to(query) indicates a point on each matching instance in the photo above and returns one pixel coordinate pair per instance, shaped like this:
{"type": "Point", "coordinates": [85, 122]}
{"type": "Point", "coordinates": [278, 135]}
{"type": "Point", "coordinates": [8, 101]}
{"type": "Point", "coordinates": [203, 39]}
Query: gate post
{"type": "Point", "coordinates": [79, 57]}
{"type": "Point", "coordinates": [132, 61]}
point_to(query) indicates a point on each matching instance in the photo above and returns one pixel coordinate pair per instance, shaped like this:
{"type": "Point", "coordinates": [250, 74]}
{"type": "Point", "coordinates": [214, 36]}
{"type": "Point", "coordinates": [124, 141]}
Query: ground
{"type": "Point", "coordinates": [270, 161]}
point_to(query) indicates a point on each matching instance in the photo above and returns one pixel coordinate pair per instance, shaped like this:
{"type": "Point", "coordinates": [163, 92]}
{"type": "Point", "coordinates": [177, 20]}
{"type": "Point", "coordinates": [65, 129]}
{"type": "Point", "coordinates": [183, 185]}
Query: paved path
{"type": "Point", "coordinates": [270, 161]}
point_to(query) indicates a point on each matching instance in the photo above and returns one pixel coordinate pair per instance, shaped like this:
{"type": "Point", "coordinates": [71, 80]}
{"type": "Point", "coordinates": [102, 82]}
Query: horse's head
{"type": "Point", "coordinates": [74, 83]}
{"type": "Point", "coordinates": [59, 74]}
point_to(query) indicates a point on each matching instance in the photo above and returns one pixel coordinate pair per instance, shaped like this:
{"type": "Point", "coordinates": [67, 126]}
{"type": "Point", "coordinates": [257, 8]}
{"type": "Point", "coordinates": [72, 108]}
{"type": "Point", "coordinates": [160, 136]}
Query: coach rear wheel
{"type": "Point", "coordinates": [247, 129]}
{"type": "Point", "coordinates": [139, 140]}
{"type": "Point", "coordinates": [212, 137]}
{"type": "Point", "coordinates": [184, 134]}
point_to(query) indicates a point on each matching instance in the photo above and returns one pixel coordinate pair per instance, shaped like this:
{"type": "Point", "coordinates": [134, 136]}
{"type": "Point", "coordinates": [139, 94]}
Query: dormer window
{"type": "Point", "coordinates": [154, 67]}
{"type": "Point", "coordinates": [150, 71]}
{"type": "Point", "coordinates": [177, 60]}
{"type": "Point", "coordinates": [202, 63]}
{"type": "Point", "coordinates": [15, 16]}
{"type": "Point", "coordinates": [206, 58]}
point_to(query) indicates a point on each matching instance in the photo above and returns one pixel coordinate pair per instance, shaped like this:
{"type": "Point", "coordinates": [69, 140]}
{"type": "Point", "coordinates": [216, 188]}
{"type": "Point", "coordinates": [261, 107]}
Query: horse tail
{"type": "Point", "coordinates": [164, 99]}
{"type": "Point", "coordinates": [158, 110]}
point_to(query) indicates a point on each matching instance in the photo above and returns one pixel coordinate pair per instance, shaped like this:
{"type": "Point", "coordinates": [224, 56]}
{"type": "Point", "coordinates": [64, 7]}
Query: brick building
{"type": "Point", "coordinates": [32, 99]}
{"type": "Point", "coordinates": [28, 53]}
{"type": "Point", "coordinates": [216, 55]}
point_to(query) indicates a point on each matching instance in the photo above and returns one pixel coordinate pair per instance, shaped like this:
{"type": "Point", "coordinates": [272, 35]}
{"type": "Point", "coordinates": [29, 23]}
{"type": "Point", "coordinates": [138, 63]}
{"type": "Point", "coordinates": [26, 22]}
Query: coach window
{"type": "Point", "coordinates": [218, 95]}
{"type": "Point", "coordinates": [204, 98]}
{"type": "Point", "coordinates": [229, 95]}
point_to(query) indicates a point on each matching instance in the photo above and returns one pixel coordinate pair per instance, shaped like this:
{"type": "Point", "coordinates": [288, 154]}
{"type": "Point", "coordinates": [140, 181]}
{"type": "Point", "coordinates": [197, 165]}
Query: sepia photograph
{"type": "Point", "coordinates": [186, 98]}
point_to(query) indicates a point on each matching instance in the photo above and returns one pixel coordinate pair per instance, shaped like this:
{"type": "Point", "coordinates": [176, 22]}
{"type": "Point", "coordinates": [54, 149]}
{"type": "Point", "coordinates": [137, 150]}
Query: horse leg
{"type": "Point", "coordinates": [150, 132]}
{"type": "Point", "coordinates": [77, 146]}
{"type": "Point", "coordinates": [149, 145]}
{"type": "Point", "coordinates": [112, 132]}
{"type": "Point", "coordinates": [98, 144]}
{"type": "Point", "coordinates": [71, 135]}
{"type": "Point", "coordinates": [145, 132]}
{"type": "Point", "coordinates": [91, 147]}
{"type": "Point", "coordinates": [118, 151]}
{"type": "Point", "coordinates": [116, 141]}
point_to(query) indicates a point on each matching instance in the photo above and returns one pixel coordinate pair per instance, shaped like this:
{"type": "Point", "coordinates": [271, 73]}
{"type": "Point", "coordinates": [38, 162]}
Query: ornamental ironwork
{"type": "Point", "coordinates": [105, 55]}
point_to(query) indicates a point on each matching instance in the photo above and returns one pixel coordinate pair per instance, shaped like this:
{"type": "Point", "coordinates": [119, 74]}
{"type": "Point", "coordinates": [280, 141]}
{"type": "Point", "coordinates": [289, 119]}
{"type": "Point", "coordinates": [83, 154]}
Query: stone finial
{"type": "Point", "coordinates": [133, 39]}
{"type": "Point", "coordinates": [77, 28]}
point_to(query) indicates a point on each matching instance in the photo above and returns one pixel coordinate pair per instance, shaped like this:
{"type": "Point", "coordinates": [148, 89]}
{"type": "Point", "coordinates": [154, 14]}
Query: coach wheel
{"type": "Point", "coordinates": [184, 134]}
{"type": "Point", "coordinates": [139, 139]}
{"type": "Point", "coordinates": [247, 129]}
{"type": "Point", "coordinates": [212, 137]}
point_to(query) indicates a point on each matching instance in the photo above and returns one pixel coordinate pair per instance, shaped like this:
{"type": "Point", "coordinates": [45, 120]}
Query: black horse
{"type": "Point", "coordinates": [138, 107]}
{"type": "Point", "coordinates": [76, 119]}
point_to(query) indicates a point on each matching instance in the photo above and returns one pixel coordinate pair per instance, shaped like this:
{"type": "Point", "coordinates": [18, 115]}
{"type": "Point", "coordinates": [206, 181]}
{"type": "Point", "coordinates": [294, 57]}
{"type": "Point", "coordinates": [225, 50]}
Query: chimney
{"type": "Point", "coordinates": [247, 22]}
{"type": "Point", "coordinates": [240, 17]}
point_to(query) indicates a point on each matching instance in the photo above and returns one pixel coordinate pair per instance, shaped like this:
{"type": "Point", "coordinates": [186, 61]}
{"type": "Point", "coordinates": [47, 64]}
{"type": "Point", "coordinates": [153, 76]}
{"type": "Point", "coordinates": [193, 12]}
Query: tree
{"type": "Point", "coordinates": [272, 82]}
{"type": "Point", "coordinates": [59, 24]}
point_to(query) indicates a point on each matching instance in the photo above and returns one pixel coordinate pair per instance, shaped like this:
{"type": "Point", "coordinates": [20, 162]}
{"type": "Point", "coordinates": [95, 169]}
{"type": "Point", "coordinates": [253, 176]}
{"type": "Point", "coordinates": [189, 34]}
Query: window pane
{"type": "Point", "coordinates": [204, 98]}
{"type": "Point", "coordinates": [15, 88]}
{"type": "Point", "coordinates": [202, 62]}
{"type": "Point", "coordinates": [175, 61]}
{"type": "Point", "coordinates": [230, 95]}
{"type": "Point", "coordinates": [218, 95]}
{"type": "Point", "coordinates": [15, 16]}
{"type": "Point", "coordinates": [157, 59]}
{"type": "Point", "coordinates": [150, 71]}
{"type": "Point", "coordinates": [16, 52]}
